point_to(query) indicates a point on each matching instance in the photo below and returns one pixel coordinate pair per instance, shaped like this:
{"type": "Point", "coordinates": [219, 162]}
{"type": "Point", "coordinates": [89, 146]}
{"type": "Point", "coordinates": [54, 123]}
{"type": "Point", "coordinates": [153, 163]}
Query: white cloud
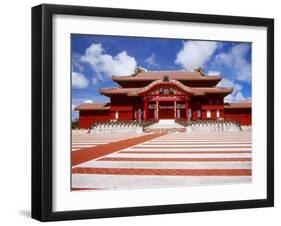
{"type": "Point", "coordinates": [236, 95]}
{"type": "Point", "coordinates": [105, 64]}
{"type": "Point", "coordinates": [151, 61]}
{"type": "Point", "coordinates": [76, 64]}
{"type": "Point", "coordinates": [210, 73]}
{"type": "Point", "coordinates": [94, 81]}
{"type": "Point", "coordinates": [73, 107]}
{"type": "Point", "coordinates": [79, 80]}
{"type": "Point", "coordinates": [195, 54]}
{"type": "Point", "coordinates": [239, 97]}
{"type": "Point", "coordinates": [89, 101]}
{"type": "Point", "coordinates": [236, 61]}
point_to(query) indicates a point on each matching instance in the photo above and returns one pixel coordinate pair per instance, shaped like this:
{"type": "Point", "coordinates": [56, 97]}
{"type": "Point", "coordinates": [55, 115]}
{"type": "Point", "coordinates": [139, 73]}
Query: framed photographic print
{"type": "Point", "coordinates": [146, 112]}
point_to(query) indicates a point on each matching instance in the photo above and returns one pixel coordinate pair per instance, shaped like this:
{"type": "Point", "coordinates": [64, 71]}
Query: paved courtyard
{"type": "Point", "coordinates": [124, 161]}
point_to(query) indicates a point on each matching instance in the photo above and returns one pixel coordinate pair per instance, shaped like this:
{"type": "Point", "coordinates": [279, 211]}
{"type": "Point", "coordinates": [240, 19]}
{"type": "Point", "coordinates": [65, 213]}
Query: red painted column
{"type": "Point", "coordinates": [222, 114]}
{"type": "Point", "coordinates": [145, 109]}
{"type": "Point", "coordinates": [175, 109]}
{"type": "Point", "coordinates": [157, 110]}
{"type": "Point", "coordinates": [186, 109]}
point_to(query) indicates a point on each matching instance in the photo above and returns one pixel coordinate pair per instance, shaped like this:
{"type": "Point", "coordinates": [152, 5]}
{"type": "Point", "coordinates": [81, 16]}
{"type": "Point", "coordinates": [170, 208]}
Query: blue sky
{"type": "Point", "coordinates": [95, 58]}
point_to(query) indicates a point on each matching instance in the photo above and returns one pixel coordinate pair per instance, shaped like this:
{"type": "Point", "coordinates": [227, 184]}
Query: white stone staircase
{"type": "Point", "coordinates": [165, 125]}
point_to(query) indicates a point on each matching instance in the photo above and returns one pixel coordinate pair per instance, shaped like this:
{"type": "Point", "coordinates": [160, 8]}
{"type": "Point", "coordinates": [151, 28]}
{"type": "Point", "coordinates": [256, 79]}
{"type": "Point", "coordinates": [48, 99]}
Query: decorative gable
{"type": "Point", "coordinates": [166, 90]}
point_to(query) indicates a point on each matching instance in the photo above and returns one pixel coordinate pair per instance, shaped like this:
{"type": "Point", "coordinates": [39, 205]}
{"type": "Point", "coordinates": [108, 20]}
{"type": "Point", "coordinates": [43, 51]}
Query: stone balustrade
{"type": "Point", "coordinates": [118, 127]}
{"type": "Point", "coordinates": [151, 126]}
{"type": "Point", "coordinates": [211, 126]}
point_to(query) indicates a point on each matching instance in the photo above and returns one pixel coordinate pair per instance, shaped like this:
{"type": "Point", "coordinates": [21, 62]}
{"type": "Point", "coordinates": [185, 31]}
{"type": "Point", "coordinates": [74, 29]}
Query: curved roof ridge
{"type": "Point", "coordinates": [155, 75]}
{"type": "Point", "coordinates": [160, 81]}
{"type": "Point", "coordinates": [169, 71]}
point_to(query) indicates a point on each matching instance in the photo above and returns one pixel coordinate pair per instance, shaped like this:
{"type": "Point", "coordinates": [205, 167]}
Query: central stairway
{"type": "Point", "coordinates": [165, 125]}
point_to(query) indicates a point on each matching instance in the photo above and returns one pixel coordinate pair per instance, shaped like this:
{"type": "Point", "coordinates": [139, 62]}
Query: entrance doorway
{"type": "Point", "coordinates": [166, 110]}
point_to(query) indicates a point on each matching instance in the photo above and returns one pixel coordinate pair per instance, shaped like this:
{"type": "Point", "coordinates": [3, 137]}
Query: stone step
{"type": "Point", "coordinates": [164, 130]}
{"type": "Point", "coordinates": [165, 124]}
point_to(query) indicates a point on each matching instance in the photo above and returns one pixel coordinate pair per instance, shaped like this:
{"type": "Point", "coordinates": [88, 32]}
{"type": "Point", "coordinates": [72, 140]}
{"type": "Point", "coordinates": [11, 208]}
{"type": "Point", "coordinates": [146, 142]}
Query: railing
{"type": "Point", "coordinates": [211, 125]}
{"type": "Point", "coordinates": [147, 123]}
{"type": "Point", "coordinates": [128, 126]}
{"type": "Point", "coordinates": [133, 126]}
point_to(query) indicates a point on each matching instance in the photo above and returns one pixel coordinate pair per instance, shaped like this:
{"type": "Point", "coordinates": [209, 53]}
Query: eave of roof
{"type": "Point", "coordinates": [173, 82]}
{"type": "Point", "coordinates": [241, 105]}
{"type": "Point", "coordinates": [138, 91]}
{"type": "Point", "coordinates": [215, 90]}
{"type": "Point", "coordinates": [93, 106]}
{"type": "Point", "coordinates": [117, 90]}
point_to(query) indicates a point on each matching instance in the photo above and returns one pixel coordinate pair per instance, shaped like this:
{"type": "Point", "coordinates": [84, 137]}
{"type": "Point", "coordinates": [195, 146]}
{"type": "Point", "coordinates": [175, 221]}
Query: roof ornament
{"type": "Point", "coordinates": [138, 70]}
{"type": "Point", "coordinates": [200, 70]}
{"type": "Point", "coordinates": [166, 78]}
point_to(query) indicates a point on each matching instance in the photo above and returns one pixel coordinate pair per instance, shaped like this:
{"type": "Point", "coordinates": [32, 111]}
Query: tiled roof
{"type": "Point", "coordinates": [118, 90]}
{"type": "Point", "coordinates": [176, 75]}
{"type": "Point", "coordinates": [93, 106]}
{"type": "Point", "coordinates": [215, 89]}
{"type": "Point", "coordinates": [174, 82]}
{"type": "Point", "coordinates": [193, 90]}
{"type": "Point", "coordinates": [239, 105]}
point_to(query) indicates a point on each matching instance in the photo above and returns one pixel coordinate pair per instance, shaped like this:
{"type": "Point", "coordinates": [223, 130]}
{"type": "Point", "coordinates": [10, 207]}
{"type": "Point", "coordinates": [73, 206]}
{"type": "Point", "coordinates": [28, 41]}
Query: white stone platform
{"type": "Point", "coordinates": [166, 125]}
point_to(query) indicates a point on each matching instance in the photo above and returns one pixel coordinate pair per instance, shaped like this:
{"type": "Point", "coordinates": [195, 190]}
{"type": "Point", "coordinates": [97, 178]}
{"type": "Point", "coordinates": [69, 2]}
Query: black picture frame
{"type": "Point", "coordinates": [42, 111]}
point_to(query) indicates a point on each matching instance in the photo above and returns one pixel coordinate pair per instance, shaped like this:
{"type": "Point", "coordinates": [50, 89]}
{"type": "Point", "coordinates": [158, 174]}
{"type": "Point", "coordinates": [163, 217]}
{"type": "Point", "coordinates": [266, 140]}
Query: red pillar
{"type": "Point", "coordinates": [157, 110]}
{"type": "Point", "coordinates": [145, 109]}
{"type": "Point", "coordinates": [175, 109]}
{"type": "Point", "coordinates": [186, 109]}
{"type": "Point", "coordinates": [222, 114]}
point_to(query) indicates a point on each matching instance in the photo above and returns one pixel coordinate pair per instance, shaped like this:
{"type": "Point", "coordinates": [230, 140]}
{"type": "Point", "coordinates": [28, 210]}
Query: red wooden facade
{"type": "Point", "coordinates": [165, 95]}
{"type": "Point", "coordinates": [241, 113]}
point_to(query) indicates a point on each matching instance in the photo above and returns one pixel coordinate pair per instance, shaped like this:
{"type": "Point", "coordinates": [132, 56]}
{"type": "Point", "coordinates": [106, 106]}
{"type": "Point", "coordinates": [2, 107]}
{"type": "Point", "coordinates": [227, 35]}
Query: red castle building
{"type": "Point", "coordinates": [155, 95]}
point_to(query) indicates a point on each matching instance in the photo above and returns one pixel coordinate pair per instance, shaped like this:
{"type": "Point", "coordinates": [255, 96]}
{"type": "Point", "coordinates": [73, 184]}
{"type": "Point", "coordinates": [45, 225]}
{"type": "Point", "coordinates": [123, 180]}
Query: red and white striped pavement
{"type": "Point", "coordinates": [175, 159]}
{"type": "Point", "coordinates": [82, 141]}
